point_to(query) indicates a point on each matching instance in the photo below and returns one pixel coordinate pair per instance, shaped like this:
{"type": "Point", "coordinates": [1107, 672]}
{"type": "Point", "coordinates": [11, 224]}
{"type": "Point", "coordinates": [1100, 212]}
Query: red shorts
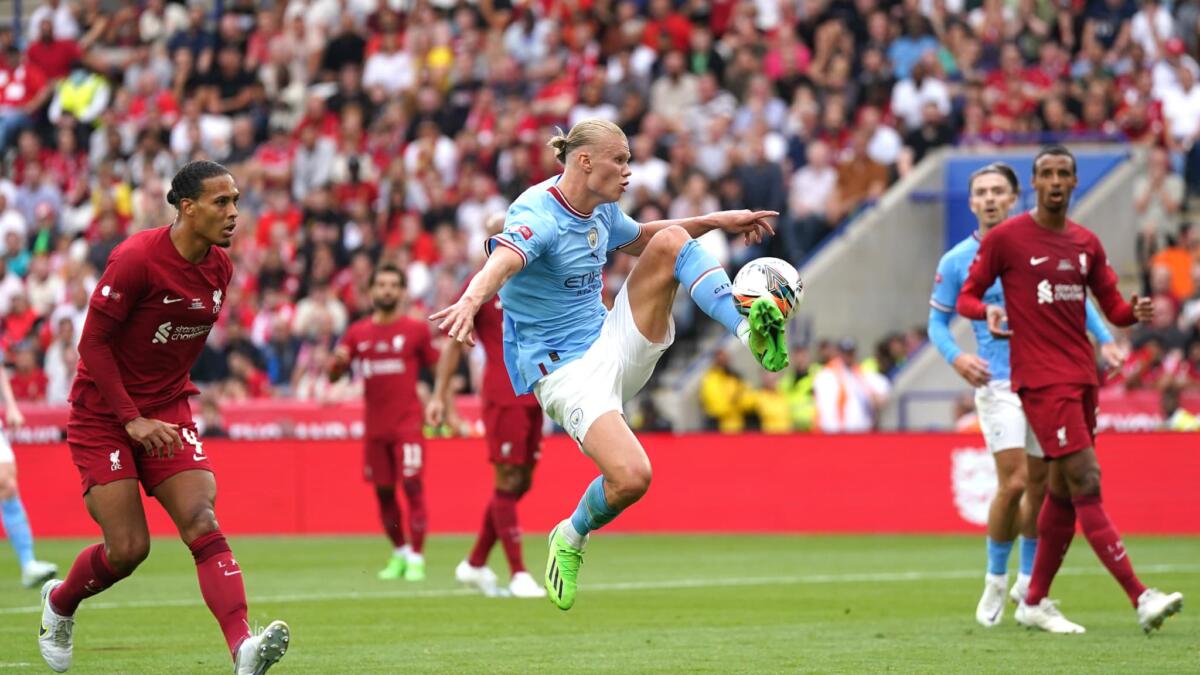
{"type": "Point", "coordinates": [382, 457]}
{"type": "Point", "coordinates": [1062, 416]}
{"type": "Point", "coordinates": [104, 453]}
{"type": "Point", "coordinates": [514, 434]}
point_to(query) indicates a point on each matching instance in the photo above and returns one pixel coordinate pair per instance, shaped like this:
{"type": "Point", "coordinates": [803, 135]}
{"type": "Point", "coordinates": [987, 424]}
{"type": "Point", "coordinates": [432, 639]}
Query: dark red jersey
{"type": "Point", "coordinates": [390, 357]}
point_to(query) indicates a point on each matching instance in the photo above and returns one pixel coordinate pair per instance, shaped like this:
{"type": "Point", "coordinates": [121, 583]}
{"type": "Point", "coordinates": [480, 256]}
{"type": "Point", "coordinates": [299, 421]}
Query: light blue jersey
{"type": "Point", "coordinates": [951, 274]}
{"type": "Point", "coordinates": [552, 307]}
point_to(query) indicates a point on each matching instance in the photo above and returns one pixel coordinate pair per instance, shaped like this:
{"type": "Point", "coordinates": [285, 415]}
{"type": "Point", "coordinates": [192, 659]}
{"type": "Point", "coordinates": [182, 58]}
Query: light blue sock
{"type": "Point", "coordinates": [593, 511]}
{"type": "Point", "coordinates": [998, 552]}
{"type": "Point", "coordinates": [708, 283]}
{"type": "Point", "coordinates": [16, 524]}
{"type": "Point", "coordinates": [1028, 553]}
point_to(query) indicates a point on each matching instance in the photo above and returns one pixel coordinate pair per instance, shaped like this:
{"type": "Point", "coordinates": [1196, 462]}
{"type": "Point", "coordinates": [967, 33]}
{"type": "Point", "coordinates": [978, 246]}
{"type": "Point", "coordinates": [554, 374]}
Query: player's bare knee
{"type": "Point", "coordinates": [202, 521]}
{"type": "Point", "coordinates": [1085, 482]}
{"type": "Point", "coordinates": [127, 552]}
{"type": "Point", "coordinates": [667, 242]}
{"type": "Point", "coordinates": [631, 482]}
{"type": "Point", "coordinates": [8, 488]}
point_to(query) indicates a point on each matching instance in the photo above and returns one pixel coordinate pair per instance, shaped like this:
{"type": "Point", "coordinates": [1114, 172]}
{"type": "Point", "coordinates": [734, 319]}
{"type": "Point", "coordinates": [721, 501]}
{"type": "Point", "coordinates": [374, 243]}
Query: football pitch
{"type": "Point", "coordinates": [682, 604]}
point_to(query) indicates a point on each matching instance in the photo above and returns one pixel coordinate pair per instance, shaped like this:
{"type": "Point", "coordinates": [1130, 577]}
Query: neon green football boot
{"type": "Point", "coordinates": [562, 569]}
{"type": "Point", "coordinates": [414, 570]}
{"type": "Point", "coordinates": [394, 570]}
{"type": "Point", "coordinates": [768, 335]}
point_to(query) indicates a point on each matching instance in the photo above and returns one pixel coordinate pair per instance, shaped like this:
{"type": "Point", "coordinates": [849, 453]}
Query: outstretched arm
{"type": "Point", "coordinates": [458, 320]}
{"type": "Point", "coordinates": [753, 225]}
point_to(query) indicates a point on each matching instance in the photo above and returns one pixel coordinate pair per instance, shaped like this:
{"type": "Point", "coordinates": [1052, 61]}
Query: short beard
{"type": "Point", "coordinates": [385, 305]}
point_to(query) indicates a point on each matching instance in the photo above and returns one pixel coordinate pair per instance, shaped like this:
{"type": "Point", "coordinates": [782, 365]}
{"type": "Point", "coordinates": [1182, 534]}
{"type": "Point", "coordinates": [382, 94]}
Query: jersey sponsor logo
{"type": "Point", "coordinates": [162, 334]}
{"type": "Point", "coordinates": [375, 367]}
{"type": "Point", "coordinates": [1048, 293]}
{"type": "Point", "coordinates": [1038, 261]}
{"type": "Point", "coordinates": [168, 332]}
{"type": "Point", "coordinates": [973, 479]}
{"type": "Point", "coordinates": [114, 459]}
{"type": "Point", "coordinates": [168, 300]}
{"type": "Point", "coordinates": [584, 281]}
{"type": "Point", "coordinates": [526, 233]}
{"type": "Point", "coordinates": [216, 298]}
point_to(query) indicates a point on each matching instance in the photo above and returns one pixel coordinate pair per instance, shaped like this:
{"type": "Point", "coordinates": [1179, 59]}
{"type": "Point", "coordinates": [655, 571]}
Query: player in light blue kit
{"type": "Point", "coordinates": [12, 510]}
{"type": "Point", "coordinates": [1021, 482]}
{"type": "Point", "coordinates": [581, 360]}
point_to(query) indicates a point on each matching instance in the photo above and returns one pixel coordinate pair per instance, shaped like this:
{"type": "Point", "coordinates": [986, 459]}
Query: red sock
{"type": "Point", "coordinates": [221, 585]}
{"type": "Point", "coordinates": [1107, 544]}
{"type": "Point", "coordinates": [1056, 528]}
{"type": "Point", "coordinates": [504, 519]}
{"type": "Point", "coordinates": [89, 575]}
{"type": "Point", "coordinates": [414, 490]}
{"type": "Point", "coordinates": [486, 539]}
{"type": "Point", "coordinates": [389, 515]}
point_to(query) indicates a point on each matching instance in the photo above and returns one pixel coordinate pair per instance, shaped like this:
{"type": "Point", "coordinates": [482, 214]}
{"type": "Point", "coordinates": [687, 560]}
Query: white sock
{"type": "Point", "coordinates": [573, 537]}
{"type": "Point", "coordinates": [403, 551]}
{"type": "Point", "coordinates": [997, 578]}
{"type": "Point", "coordinates": [413, 556]}
{"type": "Point", "coordinates": [743, 332]}
{"type": "Point", "coordinates": [1023, 579]}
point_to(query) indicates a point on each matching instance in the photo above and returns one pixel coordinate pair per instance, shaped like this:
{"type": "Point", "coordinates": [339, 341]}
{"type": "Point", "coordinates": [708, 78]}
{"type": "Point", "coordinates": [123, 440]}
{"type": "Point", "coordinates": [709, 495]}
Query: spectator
{"type": "Point", "coordinates": [1181, 111]}
{"type": "Point", "coordinates": [722, 396]}
{"type": "Point", "coordinates": [860, 179]}
{"type": "Point", "coordinates": [910, 95]}
{"type": "Point", "coordinates": [245, 380]}
{"type": "Point", "coordinates": [796, 385]}
{"type": "Point", "coordinates": [810, 195]}
{"type": "Point", "coordinates": [59, 14]}
{"type": "Point", "coordinates": [1178, 261]}
{"type": "Point", "coordinates": [769, 406]}
{"type": "Point", "coordinates": [62, 359]}
{"type": "Point", "coordinates": [26, 92]}
{"type": "Point", "coordinates": [320, 304]}
{"type": "Point", "coordinates": [847, 398]}
{"type": "Point", "coordinates": [211, 423]}
{"type": "Point", "coordinates": [28, 380]}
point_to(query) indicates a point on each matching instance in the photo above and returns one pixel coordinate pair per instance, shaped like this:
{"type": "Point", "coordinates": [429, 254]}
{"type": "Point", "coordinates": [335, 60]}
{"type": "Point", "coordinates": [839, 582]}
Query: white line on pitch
{"type": "Point", "coordinates": [661, 584]}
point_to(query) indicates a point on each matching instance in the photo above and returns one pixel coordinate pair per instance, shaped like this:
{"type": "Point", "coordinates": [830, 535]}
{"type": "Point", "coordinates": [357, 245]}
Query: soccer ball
{"type": "Point", "coordinates": [768, 278]}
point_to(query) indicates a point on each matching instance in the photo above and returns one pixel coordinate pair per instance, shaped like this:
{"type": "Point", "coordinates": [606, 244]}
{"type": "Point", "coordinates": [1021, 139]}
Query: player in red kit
{"type": "Point", "coordinates": [1046, 263]}
{"type": "Point", "coordinates": [514, 439]}
{"type": "Point", "coordinates": [390, 350]}
{"type": "Point", "coordinates": [159, 296]}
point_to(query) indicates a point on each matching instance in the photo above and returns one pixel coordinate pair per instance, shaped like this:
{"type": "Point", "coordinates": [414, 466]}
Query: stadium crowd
{"type": "Point", "coordinates": [368, 130]}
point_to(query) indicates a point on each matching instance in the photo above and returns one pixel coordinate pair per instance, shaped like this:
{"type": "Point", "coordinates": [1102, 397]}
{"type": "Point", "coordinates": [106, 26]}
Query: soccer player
{"type": "Point", "coordinates": [130, 422]}
{"type": "Point", "coordinates": [1014, 509]}
{"type": "Point", "coordinates": [1045, 263]}
{"type": "Point", "coordinates": [34, 572]}
{"type": "Point", "coordinates": [390, 350]}
{"type": "Point", "coordinates": [581, 360]}
{"type": "Point", "coordinates": [514, 438]}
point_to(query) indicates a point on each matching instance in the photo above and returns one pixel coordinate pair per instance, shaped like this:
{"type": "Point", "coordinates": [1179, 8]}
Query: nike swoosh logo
{"type": "Point", "coordinates": [169, 300]}
{"type": "Point", "coordinates": [199, 458]}
{"type": "Point", "coordinates": [42, 630]}
{"type": "Point", "coordinates": [992, 618]}
{"type": "Point", "coordinates": [1121, 557]}
{"type": "Point", "coordinates": [234, 573]}
{"type": "Point", "coordinates": [1038, 261]}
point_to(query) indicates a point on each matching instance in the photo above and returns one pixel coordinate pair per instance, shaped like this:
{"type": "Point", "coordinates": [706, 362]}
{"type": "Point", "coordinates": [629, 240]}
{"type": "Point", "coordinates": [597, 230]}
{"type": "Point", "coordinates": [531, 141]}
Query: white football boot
{"type": "Point", "coordinates": [524, 586]}
{"type": "Point", "coordinates": [54, 635]}
{"type": "Point", "coordinates": [1020, 589]}
{"type": "Point", "coordinates": [990, 610]}
{"type": "Point", "coordinates": [1045, 616]}
{"type": "Point", "coordinates": [481, 578]}
{"type": "Point", "coordinates": [258, 653]}
{"type": "Point", "coordinates": [38, 572]}
{"type": "Point", "coordinates": [1154, 607]}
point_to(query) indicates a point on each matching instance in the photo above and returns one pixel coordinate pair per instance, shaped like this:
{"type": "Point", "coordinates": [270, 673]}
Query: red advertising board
{"type": "Point", "coordinates": [702, 483]}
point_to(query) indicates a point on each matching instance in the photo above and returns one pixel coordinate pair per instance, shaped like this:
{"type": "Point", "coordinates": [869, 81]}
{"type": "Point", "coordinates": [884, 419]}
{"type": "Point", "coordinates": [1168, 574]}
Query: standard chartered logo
{"type": "Point", "coordinates": [168, 332]}
{"type": "Point", "coordinates": [1045, 292]}
{"type": "Point", "coordinates": [162, 334]}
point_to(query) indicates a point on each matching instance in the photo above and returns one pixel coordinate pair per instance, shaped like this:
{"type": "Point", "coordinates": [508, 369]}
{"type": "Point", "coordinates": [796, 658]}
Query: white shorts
{"type": "Point", "coordinates": [6, 453]}
{"type": "Point", "coordinates": [610, 372]}
{"type": "Point", "coordinates": [1003, 419]}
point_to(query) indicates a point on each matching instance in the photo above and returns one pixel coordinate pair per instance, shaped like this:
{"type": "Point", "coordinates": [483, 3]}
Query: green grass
{"type": "Point", "coordinates": [646, 604]}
